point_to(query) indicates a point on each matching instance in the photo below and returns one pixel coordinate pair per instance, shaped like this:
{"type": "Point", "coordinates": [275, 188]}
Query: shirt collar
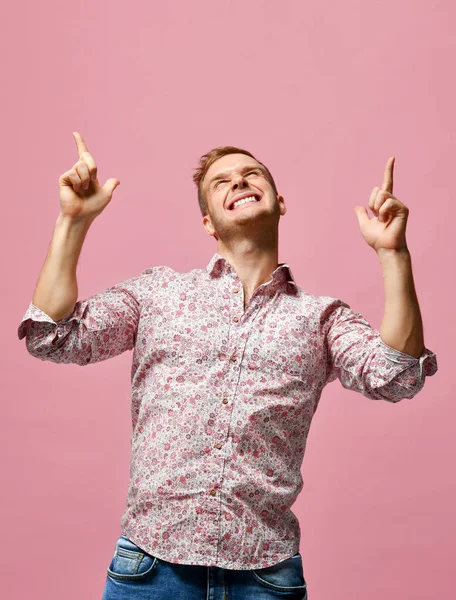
{"type": "Point", "coordinates": [218, 264]}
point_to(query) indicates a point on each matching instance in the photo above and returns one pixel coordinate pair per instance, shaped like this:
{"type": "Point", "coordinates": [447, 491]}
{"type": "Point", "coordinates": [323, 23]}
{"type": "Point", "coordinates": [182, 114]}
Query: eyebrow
{"type": "Point", "coordinates": [243, 170]}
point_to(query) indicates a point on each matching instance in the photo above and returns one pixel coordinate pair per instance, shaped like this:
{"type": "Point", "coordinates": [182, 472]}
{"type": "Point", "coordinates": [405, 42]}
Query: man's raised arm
{"type": "Point", "coordinates": [82, 199]}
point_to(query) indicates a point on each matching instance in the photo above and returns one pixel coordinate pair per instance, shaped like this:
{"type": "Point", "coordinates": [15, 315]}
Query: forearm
{"type": "Point", "coordinates": [402, 326]}
{"type": "Point", "coordinates": [56, 291]}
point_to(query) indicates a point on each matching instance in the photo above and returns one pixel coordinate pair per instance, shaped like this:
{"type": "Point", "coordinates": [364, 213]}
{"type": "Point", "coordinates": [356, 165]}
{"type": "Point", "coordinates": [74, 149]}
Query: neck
{"type": "Point", "coordinates": [253, 259]}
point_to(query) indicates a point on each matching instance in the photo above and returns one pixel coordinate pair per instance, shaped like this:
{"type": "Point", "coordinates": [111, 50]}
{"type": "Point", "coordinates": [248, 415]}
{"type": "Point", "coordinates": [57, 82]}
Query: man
{"type": "Point", "coordinates": [228, 368]}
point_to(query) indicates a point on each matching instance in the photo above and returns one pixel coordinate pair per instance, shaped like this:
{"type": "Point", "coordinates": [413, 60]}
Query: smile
{"type": "Point", "coordinates": [245, 201]}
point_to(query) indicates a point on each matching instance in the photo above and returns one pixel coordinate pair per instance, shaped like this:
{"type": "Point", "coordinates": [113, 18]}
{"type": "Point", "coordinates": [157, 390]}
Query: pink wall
{"type": "Point", "coordinates": [323, 93]}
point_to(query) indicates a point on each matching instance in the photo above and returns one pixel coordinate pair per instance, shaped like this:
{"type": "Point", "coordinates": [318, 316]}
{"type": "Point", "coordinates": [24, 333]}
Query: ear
{"type": "Point", "coordinates": [207, 224]}
{"type": "Point", "coordinates": [281, 201]}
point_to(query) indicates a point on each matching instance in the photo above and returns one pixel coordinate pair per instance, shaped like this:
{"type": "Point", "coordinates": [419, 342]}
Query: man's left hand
{"type": "Point", "coordinates": [386, 230]}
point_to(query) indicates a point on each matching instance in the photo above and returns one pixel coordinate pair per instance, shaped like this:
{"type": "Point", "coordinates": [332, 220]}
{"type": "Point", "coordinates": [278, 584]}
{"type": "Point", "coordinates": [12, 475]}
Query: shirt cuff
{"type": "Point", "coordinates": [34, 313]}
{"type": "Point", "coordinates": [427, 359]}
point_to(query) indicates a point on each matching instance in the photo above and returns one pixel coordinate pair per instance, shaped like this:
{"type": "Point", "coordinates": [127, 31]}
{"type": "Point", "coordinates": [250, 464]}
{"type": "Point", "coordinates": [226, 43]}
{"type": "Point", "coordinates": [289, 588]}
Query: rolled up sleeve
{"type": "Point", "coordinates": [362, 362]}
{"type": "Point", "coordinates": [99, 327]}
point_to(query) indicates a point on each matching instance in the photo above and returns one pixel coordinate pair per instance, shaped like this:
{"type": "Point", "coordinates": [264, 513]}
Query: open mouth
{"type": "Point", "coordinates": [248, 200]}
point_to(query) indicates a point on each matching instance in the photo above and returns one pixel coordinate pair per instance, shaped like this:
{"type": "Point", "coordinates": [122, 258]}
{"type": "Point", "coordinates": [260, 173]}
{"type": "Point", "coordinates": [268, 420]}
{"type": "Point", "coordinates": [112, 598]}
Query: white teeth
{"type": "Point", "coordinates": [245, 200]}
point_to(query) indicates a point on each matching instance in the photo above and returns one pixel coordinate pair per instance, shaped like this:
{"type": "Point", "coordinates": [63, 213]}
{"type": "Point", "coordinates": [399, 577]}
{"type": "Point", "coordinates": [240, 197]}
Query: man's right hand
{"type": "Point", "coordinates": [81, 196]}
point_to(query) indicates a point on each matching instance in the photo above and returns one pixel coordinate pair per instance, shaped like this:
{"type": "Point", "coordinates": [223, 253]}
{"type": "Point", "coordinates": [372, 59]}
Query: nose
{"type": "Point", "coordinates": [238, 181]}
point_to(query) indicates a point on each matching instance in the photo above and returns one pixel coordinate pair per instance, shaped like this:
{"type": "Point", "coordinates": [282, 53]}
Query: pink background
{"type": "Point", "coordinates": [322, 93]}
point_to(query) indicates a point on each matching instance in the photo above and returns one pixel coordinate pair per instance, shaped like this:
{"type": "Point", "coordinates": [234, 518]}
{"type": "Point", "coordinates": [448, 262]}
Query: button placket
{"type": "Point", "coordinates": [237, 300]}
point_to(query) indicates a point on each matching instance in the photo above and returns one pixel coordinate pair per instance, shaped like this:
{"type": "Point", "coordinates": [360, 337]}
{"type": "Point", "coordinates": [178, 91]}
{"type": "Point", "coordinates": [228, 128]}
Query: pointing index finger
{"type": "Point", "coordinates": [387, 184]}
{"type": "Point", "coordinates": [80, 144]}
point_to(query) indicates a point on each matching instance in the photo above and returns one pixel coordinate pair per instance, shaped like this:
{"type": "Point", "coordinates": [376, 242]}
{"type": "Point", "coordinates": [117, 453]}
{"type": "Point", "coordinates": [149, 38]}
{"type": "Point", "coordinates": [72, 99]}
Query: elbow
{"type": "Point", "coordinates": [395, 391]}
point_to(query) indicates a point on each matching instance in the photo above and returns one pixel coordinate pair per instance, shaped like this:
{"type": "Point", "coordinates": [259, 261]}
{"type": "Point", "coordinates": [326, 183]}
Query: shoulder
{"type": "Point", "coordinates": [315, 303]}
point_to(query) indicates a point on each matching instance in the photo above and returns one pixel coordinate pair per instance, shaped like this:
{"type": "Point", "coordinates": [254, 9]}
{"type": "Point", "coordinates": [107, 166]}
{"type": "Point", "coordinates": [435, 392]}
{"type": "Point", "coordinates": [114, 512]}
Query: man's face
{"type": "Point", "coordinates": [233, 177]}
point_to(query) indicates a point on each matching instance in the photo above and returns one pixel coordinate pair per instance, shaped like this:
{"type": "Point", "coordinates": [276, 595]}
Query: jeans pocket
{"type": "Point", "coordinates": [130, 562]}
{"type": "Point", "coordinates": [285, 576]}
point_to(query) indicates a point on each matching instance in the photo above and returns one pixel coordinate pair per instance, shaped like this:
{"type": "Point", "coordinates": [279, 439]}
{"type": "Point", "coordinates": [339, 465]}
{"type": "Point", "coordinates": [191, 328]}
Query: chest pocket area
{"type": "Point", "coordinates": [186, 339]}
{"type": "Point", "coordinates": [285, 349]}
{"type": "Point", "coordinates": [193, 346]}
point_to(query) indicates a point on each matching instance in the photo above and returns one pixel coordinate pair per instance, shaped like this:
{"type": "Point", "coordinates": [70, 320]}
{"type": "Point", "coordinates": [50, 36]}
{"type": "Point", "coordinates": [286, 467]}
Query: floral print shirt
{"type": "Point", "coordinates": [222, 400]}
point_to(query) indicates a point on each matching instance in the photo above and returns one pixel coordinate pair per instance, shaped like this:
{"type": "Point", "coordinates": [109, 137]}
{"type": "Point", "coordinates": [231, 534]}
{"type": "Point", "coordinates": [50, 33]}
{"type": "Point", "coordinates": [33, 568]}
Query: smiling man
{"type": "Point", "coordinates": [229, 364]}
{"type": "Point", "coordinates": [241, 208]}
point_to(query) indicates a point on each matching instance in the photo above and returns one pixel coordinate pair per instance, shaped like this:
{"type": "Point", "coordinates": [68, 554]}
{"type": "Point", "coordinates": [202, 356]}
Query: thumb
{"type": "Point", "coordinates": [361, 214]}
{"type": "Point", "coordinates": [111, 185]}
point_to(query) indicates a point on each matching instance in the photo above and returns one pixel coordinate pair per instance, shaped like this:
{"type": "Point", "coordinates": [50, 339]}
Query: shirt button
{"type": "Point", "coordinates": [225, 400]}
{"type": "Point", "coordinates": [233, 357]}
{"type": "Point", "coordinates": [212, 492]}
{"type": "Point", "coordinates": [218, 446]}
{"type": "Point", "coordinates": [235, 319]}
{"type": "Point", "coordinates": [235, 291]}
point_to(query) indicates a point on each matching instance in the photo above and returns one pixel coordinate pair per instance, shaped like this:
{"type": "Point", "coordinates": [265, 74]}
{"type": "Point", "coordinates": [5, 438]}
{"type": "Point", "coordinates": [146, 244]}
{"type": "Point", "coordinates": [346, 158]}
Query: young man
{"type": "Point", "coordinates": [228, 368]}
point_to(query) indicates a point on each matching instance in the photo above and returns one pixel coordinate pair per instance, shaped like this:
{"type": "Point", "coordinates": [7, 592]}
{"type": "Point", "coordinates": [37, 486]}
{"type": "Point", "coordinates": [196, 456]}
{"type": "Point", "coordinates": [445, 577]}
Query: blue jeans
{"type": "Point", "coordinates": [133, 574]}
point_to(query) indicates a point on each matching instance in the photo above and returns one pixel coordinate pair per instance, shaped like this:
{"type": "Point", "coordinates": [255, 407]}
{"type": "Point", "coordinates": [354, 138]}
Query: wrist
{"type": "Point", "coordinates": [390, 252]}
{"type": "Point", "coordinates": [73, 222]}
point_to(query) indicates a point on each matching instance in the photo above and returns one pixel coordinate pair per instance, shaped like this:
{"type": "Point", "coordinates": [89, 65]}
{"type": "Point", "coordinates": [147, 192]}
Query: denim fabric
{"type": "Point", "coordinates": [133, 574]}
